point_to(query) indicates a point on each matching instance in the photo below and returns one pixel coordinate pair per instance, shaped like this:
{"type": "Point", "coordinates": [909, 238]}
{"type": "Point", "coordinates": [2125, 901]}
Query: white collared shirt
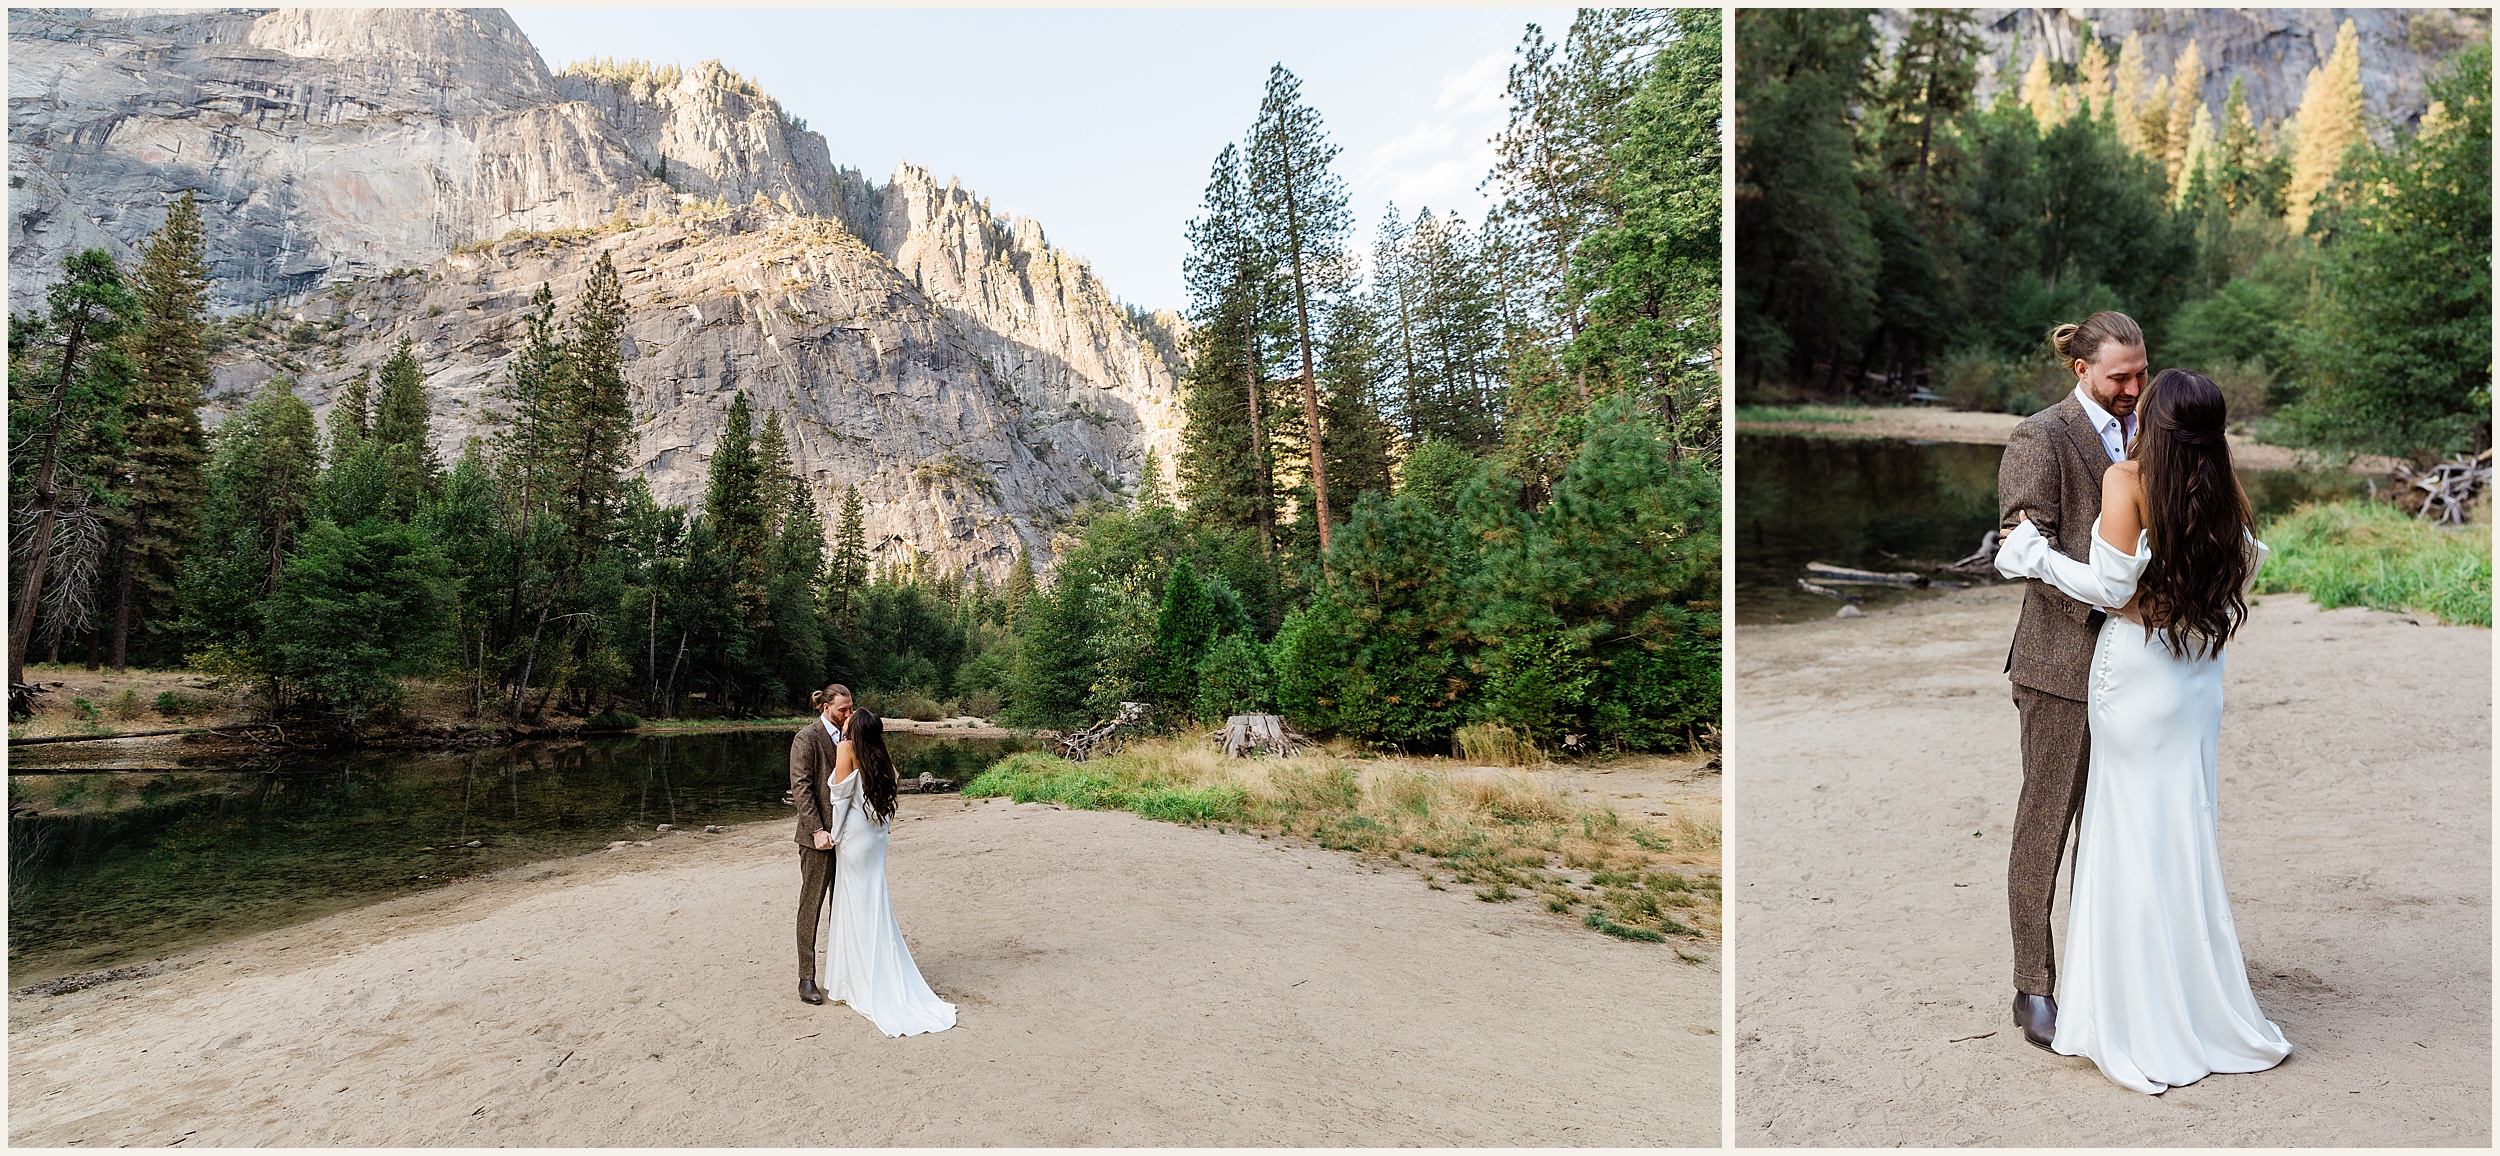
{"type": "Point", "coordinates": [831, 729]}
{"type": "Point", "coordinates": [2115, 431]}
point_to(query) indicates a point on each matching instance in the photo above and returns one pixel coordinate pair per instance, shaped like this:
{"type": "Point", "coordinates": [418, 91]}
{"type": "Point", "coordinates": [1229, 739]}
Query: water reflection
{"type": "Point", "coordinates": [107, 867]}
{"type": "Point", "coordinates": [1892, 505]}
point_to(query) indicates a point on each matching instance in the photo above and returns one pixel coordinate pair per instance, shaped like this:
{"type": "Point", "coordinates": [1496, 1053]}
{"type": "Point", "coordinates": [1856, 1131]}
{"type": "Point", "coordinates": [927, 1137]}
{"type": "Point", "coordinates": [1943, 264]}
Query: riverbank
{"type": "Point", "coordinates": [1923, 423]}
{"type": "Point", "coordinates": [1119, 981]}
{"type": "Point", "coordinates": [99, 705]}
{"type": "Point", "coordinates": [1879, 759]}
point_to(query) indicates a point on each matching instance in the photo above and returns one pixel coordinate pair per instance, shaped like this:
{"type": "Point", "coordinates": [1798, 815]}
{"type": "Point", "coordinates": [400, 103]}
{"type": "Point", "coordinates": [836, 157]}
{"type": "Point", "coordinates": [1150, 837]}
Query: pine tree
{"type": "Point", "coordinates": [2092, 70]}
{"type": "Point", "coordinates": [1302, 220]}
{"type": "Point", "coordinates": [2126, 98]}
{"type": "Point", "coordinates": [734, 501]}
{"type": "Point", "coordinates": [596, 413]}
{"type": "Point", "coordinates": [351, 416]}
{"type": "Point", "coordinates": [1359, 441]}
{"type": "Point", "coordinates": [403, 433]}
{"type": "Point", "coordinates": [2187, 100]}
{"type": "Point", "coordinates": [1019, 586]}
{"type": "Point", "coordinates": [1226, 464]}
{"type": "Point", "coordinates": [772, 463]}
{"type": "Point", "coordinates": [2039, 94]}
{"type": "Point", "coordinates": [2329, 123]}
{"type": "Point", "coordinates": [263, 474]}
{"type": "Point", "coordinates": [162, 480]}
{"type": "Point", "coordinates": [65, 417]}
{"type": "Point", "coordinates": [1184, 626]}
{"type": "Point", "coordinates": [848, 569]}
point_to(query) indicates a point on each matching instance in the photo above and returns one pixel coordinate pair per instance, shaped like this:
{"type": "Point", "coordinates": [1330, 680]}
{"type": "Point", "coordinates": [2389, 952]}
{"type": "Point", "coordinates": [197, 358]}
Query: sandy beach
{"type": "Point", "coordinates": [1119, 981]}
{"type": "Point", "coordinates": [1876, 772]}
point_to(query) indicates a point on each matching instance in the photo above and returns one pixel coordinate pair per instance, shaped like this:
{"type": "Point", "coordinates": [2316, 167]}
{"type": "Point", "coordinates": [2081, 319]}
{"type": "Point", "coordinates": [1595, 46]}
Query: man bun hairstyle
{"type": "Point", "coordinates": [821, 699]}
{"type": "Point", "coordinates": [2083, 342]}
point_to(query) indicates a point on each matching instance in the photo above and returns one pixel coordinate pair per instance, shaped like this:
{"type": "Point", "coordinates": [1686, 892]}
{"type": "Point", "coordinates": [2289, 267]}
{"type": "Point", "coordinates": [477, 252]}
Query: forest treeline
{"type": "Point", "coordinates": [2332, 275]}
{"type": "Point", "coordinates": [1467, 474]}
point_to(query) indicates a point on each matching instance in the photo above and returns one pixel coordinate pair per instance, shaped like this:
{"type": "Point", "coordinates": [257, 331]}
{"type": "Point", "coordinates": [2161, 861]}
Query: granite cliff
{"type": "Point", "coordinates": [368, 174]}
{"type": "Point", "coordinates": [2270, 50]}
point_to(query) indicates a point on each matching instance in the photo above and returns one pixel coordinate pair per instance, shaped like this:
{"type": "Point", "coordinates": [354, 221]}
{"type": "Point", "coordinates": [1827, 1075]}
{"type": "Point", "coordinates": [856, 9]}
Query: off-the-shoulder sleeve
{"type": "Point", "coordinates": [2257, 554]}
{"type": "Point", "coordinates": [2107, 581]}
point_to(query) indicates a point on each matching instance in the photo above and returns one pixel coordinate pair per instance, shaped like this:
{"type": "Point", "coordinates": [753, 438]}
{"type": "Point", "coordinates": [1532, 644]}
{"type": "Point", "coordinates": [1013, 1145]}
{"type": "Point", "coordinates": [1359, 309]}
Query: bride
{"type": "Point", "coordinates": [2153, 989]}
{"type": "Point", "coordinates": [870, 968]}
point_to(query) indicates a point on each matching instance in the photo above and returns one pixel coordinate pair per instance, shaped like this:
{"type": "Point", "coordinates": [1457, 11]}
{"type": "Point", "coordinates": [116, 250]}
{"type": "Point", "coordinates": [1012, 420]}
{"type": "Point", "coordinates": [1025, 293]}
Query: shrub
{"type": "Point", "coordinates": [980, 704]}
{"type": "Point", "coordinates": [2362, 553]}
{"type": "Point", "coordinates": [1234, 679]}
{"type": "Point", "coordinates": [907, 703]}
{"type": "Point", "coordinates": [173, 705]}
{"type": "Point", "coordinates": [82, 710]}
{"type": "Point", "coordinates": [612, 719]}
{"type": "Point", "coordinates": [125, 706]}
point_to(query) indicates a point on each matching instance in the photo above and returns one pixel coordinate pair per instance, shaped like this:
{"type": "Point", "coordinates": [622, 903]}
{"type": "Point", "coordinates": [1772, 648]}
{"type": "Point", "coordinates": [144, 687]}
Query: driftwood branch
{"type": "Point", "coordinates": [1844, 576]}
{"type": "Point", "coordinates": [2442, 492]}
{"type": "Point", "coordinates": [1099, 737]}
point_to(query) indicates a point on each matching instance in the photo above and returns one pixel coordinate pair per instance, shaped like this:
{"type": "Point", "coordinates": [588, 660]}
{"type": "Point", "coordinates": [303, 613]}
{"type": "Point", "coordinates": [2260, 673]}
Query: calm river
{"type": "Point", "coordinates": [1881, 504]}
{"type": "Point", "coordinates": [161, 853]}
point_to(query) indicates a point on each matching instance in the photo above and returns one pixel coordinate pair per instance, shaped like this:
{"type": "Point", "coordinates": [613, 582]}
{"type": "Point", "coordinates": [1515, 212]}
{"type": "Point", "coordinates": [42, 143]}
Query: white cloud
{"type": "Point", "coordinates": [1439, 161]}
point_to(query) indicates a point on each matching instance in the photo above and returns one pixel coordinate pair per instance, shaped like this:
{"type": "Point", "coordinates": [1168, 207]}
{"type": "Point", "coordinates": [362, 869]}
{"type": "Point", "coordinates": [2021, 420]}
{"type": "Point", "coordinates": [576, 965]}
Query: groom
{"type": "Point", "coordinates": [2052, 472]}
{"type": "Point", "coordinates": [811, 769]}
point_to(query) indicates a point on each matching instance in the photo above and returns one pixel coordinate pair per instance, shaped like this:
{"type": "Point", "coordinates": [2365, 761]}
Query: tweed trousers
{"type": "Point", "coordinates": [815, 882]}
{"type": "Point", "coordinates": [2057, 747]}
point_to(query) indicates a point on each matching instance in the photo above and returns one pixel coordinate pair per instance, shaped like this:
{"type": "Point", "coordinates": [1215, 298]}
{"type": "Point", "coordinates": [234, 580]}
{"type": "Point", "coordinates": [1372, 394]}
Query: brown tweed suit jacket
{"type": "Point", "coordinates": [2052, 470]}
{"type": "Point", "coordinates": [811, 768]}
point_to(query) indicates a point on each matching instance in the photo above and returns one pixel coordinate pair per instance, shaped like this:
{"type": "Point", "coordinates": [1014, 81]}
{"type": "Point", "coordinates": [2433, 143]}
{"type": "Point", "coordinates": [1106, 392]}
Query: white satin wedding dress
{"type": "Point", "coordinates": [867, 966]}
{"type": "Point", "coordinates": [2153, 989]}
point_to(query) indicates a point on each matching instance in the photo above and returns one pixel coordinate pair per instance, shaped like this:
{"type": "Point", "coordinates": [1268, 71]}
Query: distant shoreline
{"type": "Point", "coordinates": [1921, 423]}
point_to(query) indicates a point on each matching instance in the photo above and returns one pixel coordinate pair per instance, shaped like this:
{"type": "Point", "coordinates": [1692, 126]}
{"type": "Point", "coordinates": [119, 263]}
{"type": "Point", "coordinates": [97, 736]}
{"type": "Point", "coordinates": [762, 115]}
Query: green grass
{"type": "Point", "coordinates": [1792, 414]}
{"type": "Point", "coordinates": [2361, 553]}
{"type": "Point", "coordinates": [1507, 838]}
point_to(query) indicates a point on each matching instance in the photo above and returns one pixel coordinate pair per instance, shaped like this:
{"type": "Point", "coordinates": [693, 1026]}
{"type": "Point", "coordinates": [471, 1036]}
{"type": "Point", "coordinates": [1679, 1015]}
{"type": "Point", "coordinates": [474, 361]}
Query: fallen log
{"type": "Point", "coordinates": [2442, 492]}
{"type": "Point", "coordinates": [1845, 576]}
{"type": "Point", "coordinates": [1825, 591]}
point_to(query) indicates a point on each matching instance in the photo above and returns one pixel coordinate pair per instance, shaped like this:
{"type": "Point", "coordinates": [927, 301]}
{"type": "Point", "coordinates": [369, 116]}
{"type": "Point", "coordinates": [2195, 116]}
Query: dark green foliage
{"type": "Point", "coordinates": [403, 433]}
{"type": "Point", "coordinates": [162, 477]}
{"type": "Point", "coordinates": [1234, 679]}
{"type": "Point", "coordinates": [1184, 626]}
{"type": "Point", "coordinates": [1378, 653]}
{"type": "Point", "coordinates": [1434, 473]}
{"type": "Point", "coordinates": [68, 378]}
{"type": "Point", "coordinates": [1598, 612]}
{"type": "Point", "coordinates": [2399, 354]}
{"type": "Point", "coordinates": [1806, 257]}
{"type": "Point", "coordinates": [263, 478]}
{"type": "Point", "coordinates": [354, 610]}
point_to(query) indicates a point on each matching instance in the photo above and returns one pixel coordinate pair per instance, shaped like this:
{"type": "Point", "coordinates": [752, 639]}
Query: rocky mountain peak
{"type": "Point", "coordinates": [365, 175]}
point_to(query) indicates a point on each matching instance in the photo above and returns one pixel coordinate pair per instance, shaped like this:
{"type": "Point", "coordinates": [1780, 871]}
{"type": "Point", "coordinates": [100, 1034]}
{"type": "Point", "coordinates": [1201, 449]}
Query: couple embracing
{"type": "Point", "coordinates": [843, 781]}
{"type": "Point", "coordinates": [2120, 506]}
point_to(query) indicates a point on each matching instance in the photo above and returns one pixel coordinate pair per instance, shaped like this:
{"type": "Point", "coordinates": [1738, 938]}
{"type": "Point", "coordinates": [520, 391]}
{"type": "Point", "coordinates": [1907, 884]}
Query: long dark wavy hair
{"type": "Point", "coordinates": [2196, 514]}
{"type": "Point", "coordinates": [876, 767]}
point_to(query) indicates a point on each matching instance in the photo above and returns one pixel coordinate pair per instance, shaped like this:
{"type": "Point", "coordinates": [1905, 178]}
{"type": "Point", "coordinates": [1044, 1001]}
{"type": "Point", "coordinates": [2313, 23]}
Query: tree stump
{"type": "Point", "coordinates": [1265, 734]}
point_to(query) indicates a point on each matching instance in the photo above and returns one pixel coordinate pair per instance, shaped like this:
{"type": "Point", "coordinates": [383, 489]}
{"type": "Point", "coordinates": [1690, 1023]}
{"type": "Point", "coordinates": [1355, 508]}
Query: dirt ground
{"type": "Point", "coordinates": [1119, 982]}
{"type": "Point", "coordinates": [1876, 773]}
{"type": "Point", "coordinates": [1953, 425]}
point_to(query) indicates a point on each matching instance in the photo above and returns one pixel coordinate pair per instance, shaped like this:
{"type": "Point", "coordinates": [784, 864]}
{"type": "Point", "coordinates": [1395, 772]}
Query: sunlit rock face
{"type": "Point", "coordinates": [2270, 50]}
{"type": "Point", "coordinates": [356, 168]}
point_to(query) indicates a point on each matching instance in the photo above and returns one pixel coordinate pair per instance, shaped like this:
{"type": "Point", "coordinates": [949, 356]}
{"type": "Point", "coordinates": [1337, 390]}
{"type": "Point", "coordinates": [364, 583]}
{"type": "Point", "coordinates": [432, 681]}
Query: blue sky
{"type": "Point", "coordinates": [1101, 124]}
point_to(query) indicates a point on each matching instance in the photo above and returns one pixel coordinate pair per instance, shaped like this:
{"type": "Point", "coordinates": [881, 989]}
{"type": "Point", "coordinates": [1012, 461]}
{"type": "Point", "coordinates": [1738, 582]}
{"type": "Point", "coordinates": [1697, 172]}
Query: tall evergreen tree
{"type": "Point", "coordinates": [736, 503]}
{"type": "Point", "coordinates": [596, 413]}
{"type": "Point", "coordinates": [2330, 124]}
{"type": "Point", "coordinates": [65, 421]}
{"type": "Point", "coordinates": [403, 431]}
{"type": "Point", "coordinates": [263, 471]}
{"type": "Point", "coordinates": [162, 481]}
{"type": "Point", "coordinates": [1226, 465]}
{"type": "Point", "coordinates": [1302, 220]}
{"type": "Point", "coordinates": [1807, 258]}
